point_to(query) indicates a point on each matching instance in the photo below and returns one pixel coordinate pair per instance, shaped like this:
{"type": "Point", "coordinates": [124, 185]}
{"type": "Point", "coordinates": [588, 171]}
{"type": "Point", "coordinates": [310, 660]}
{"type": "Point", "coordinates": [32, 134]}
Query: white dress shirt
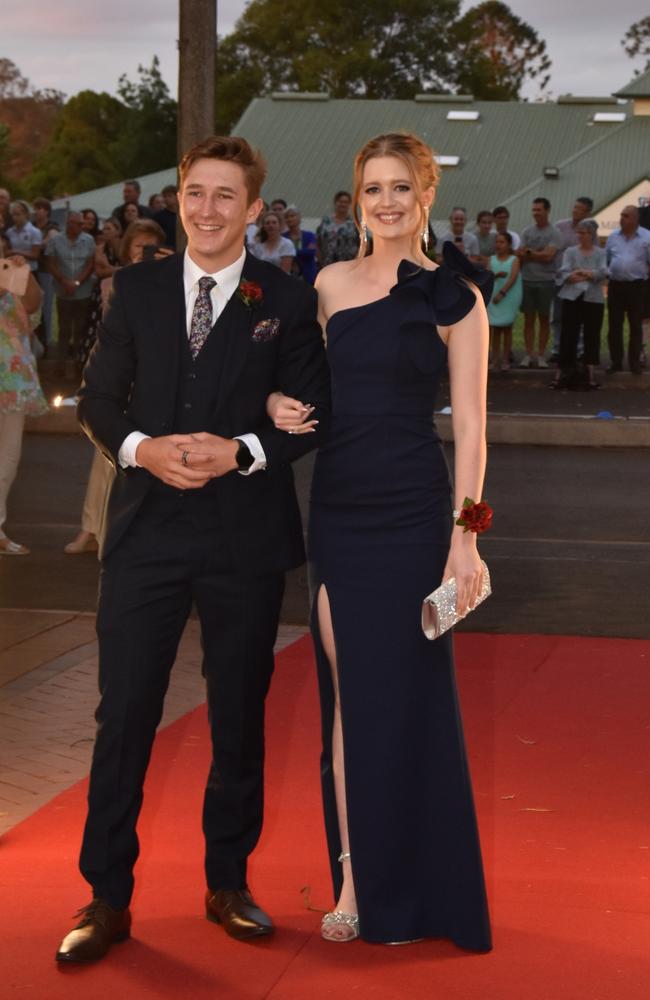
{"type": "Point", "coordinates": [227, 283]}
{"type": "Point", "coordinates": [628, 257]}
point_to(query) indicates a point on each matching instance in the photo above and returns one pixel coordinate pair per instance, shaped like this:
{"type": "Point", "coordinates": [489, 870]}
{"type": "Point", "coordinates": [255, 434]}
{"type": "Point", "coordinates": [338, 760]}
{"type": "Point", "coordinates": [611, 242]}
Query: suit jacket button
{"type": "Point", "coordinates": [164, 425]}
{"type": "Point", "coordinates": [188, 406]}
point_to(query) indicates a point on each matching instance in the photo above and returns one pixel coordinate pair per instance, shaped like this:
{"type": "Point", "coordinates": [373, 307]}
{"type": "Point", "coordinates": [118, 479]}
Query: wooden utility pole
{"type": "Point", "coordinates": [197, 46]}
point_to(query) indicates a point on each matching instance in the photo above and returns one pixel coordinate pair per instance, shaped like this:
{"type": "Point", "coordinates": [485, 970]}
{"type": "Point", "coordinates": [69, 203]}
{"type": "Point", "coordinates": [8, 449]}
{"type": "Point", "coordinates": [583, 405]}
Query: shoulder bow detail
{"type": "Point", "coordinates": [445, 289]}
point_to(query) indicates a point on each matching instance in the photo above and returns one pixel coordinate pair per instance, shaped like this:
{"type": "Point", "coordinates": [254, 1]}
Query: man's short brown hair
{"type": "Point", "coordinates": [233, 148]}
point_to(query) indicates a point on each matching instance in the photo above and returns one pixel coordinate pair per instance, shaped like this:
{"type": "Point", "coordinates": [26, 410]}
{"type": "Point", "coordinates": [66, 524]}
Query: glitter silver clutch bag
{"type": "Point", "coordinates": [439, 607]}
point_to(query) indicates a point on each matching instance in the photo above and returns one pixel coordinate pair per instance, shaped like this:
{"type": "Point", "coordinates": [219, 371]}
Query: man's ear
{"type": "Point", "coordinates": [254, 210]}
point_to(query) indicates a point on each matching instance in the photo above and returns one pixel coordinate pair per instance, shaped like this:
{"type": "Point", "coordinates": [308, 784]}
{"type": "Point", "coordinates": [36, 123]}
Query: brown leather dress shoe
{"type": "Point", "coordinates": [100, 927]}
{"type": "Point", "coordinates": [236, 910]}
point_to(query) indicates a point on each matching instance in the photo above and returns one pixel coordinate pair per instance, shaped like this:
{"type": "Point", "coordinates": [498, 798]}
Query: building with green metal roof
{"type": "Point", "coordinates": [491, 152]}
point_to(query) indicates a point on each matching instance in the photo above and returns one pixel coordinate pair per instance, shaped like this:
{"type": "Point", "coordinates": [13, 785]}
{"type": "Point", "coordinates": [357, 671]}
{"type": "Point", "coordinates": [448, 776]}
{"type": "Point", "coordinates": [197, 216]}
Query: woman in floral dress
{"type": "Point", "coordinates": [20, 390]}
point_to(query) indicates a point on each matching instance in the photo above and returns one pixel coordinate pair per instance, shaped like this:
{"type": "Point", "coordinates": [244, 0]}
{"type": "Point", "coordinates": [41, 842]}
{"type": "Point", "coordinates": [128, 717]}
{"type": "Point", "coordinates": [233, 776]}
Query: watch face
{"type": "Point", "coordinates": [244, 457]}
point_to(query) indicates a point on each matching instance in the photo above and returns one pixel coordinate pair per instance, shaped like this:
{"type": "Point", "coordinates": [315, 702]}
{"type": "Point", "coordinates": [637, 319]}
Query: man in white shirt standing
{"type": "Point", "coordinates": [203, 510]}
{"type": "Point", "coordinates": [628, 260]}
{"type": "Point", "coordinates": [567, 228]}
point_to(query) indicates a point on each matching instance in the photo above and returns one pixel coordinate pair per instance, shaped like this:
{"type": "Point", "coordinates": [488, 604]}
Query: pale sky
{"type": "Point", "coordinates": [71, 46]}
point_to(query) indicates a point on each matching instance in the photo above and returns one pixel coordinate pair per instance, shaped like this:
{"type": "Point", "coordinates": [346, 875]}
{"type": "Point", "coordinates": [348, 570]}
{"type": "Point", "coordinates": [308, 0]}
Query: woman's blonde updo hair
{"type": "Point", "coordinates": [418, 159]}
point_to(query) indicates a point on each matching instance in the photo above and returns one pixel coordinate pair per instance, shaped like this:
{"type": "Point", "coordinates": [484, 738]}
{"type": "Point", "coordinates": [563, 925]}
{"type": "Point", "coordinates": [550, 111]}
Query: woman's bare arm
{"type": "Point", "coordinates": [467, 344]}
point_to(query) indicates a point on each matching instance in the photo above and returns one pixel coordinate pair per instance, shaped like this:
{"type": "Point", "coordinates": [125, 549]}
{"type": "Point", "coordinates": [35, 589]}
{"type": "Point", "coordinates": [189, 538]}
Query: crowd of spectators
{"type": "Point", "coordinates": [557, 275]}
{"type": "Point", "coordinates": [534, 272]}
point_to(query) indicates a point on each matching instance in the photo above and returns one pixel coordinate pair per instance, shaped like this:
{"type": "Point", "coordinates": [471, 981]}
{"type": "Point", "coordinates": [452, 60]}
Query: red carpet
{"type": "Point", "coordinates": [558, 731]}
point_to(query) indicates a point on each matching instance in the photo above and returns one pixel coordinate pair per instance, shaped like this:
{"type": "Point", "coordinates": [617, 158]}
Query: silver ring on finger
{"type": "Point", "coordinates": [184, 457]}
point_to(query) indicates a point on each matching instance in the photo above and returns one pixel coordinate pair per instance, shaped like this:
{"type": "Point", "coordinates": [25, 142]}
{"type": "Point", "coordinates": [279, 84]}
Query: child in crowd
{"type": "Point", "coordinates": [505, 302]}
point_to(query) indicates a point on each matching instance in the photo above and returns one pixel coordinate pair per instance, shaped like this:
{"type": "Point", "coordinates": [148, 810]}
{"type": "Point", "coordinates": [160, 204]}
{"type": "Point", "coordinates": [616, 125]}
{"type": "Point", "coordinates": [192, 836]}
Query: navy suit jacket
{"type": "Point", "coordinates": [131, 380]}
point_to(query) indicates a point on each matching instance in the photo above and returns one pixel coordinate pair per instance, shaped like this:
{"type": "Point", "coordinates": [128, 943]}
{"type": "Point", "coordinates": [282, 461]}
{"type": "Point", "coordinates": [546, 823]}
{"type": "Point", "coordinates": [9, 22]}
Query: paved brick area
{"type": "Point", "coordinates": [48, 694]}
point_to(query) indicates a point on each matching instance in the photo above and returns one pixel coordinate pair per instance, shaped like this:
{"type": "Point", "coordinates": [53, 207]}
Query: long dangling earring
{"type": "Point", "coordinates": [363, 244]}
{"type": "Point", "coordinates": [425, 232]}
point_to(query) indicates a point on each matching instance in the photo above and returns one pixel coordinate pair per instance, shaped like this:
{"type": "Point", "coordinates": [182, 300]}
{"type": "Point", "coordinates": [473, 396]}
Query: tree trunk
{"type": "Point", "coordinates": [197, 45]}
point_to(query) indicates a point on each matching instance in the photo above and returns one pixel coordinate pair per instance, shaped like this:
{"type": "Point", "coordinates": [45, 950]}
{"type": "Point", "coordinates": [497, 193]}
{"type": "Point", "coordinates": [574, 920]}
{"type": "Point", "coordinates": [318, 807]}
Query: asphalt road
{"type": "Point", "coordinates": [569, 552]}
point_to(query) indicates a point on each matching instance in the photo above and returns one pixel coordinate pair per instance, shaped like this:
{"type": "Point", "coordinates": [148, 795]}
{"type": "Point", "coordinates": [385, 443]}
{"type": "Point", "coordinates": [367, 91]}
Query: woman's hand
{"type": "Point", "coordinates": [464, 564]}
{"type": "Point", "coordinates": [289, 414]}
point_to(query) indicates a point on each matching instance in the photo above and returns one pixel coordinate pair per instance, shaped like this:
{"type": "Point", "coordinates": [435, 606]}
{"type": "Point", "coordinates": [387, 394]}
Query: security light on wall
{"type": "Point", "coordinates": [551, 172]}
{"type": "Point", "coordinates": [447, 161]}
{"type": "Point", "coordinates": [463, 116]}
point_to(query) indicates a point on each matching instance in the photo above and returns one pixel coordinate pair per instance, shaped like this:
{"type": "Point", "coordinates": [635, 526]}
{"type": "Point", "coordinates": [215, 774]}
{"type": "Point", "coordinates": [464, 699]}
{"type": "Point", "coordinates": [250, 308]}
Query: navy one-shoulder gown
{"type": "Point", "coordinates": [380, 525]}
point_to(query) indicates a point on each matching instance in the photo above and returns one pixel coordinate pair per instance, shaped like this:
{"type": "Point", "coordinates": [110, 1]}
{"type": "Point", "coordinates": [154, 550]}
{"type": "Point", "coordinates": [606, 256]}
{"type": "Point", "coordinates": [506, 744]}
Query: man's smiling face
{"type": "Point", "coordinates": [215, 211]}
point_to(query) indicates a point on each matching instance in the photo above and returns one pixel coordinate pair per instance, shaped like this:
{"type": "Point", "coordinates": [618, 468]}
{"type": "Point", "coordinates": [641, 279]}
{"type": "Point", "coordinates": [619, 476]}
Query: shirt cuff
{"type": "Point", "coordinates": [254, 445]}
{"type": "Point", "coordinates": [126, 454]}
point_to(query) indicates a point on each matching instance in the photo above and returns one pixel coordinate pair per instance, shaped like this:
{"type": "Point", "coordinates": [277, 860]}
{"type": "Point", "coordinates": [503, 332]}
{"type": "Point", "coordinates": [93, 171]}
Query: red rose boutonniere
{"type": "Point", "coordinates": [476, 517]}
{"type": "Point", "coordinates": [250, 293]}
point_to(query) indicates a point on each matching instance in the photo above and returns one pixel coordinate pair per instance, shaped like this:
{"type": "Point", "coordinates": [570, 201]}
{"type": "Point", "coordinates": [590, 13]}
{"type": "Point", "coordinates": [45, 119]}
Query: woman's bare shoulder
{"type": "Point", "coordinates": [334, 274]}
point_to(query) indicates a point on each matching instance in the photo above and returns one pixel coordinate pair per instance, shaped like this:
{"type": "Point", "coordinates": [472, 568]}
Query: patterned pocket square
{"type": "Point", "coordinates": [265, 330]}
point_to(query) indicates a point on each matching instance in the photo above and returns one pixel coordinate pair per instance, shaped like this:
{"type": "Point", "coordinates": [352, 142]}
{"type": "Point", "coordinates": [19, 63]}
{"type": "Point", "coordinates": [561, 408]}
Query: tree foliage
{"type": "Point", "coordinates": [149, 141]}
{"type": "Point", "coordinates": [27, 120]}
{"type": "Point", "coordinates": [372, 48]}
{"type": "Point", "coordinates": [375, 49]}
{"type": "Point", "coordinates": [495, 52]}
{"type": "Point", "coordinates": [14, 85]}
{"type": "Point", "coordinates": [12, 82]}
{"type": "Point", "coordinates": [636, 42]}
{"type": "Point", "coordinates": [4, 154]}
{"type": "Point", "coordinates": [86, 148]}
{"type": "Point", "coordinates": [100, 139]}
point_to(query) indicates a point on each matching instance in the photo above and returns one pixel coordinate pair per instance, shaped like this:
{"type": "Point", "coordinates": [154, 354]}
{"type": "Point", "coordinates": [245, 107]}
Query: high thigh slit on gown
{"type": "Point", "coordinates": [379, 534]}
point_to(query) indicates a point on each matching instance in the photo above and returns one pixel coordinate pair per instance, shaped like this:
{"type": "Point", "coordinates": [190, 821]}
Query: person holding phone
{"type": "Point", "coordinates": [20, 390]}
{"type": "Point", "coordinates": [457, 234]}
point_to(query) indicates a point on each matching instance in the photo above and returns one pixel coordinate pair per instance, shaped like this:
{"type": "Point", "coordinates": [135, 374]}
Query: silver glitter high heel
{"type": "Point", "coordinates": [337, 925]}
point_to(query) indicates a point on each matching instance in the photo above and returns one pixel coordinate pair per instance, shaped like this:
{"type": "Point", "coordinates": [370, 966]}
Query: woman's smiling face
{"type": "Point", "coordinates": [390, 204]}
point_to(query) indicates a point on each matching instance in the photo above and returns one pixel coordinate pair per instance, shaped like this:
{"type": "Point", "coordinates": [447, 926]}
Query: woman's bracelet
{"type": "Point", "coordinates": [472, 516]}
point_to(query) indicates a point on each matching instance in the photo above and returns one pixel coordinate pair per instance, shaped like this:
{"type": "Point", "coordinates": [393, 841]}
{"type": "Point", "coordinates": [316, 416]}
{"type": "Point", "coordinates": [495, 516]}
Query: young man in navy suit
{"type": "Point", "coordinates": [203, 510]}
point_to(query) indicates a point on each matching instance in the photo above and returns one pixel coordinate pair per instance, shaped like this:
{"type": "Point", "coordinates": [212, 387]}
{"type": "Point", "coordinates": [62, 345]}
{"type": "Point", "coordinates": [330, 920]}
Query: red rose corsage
{"type": "Point", "coordinates": [250, 293]}
{"type": "Point", "coordinates": [476, 517]}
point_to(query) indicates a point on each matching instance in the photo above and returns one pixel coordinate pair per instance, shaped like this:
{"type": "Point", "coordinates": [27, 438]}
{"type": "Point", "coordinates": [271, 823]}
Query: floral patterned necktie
{"type": "Point", "coordinates": [201, 316]}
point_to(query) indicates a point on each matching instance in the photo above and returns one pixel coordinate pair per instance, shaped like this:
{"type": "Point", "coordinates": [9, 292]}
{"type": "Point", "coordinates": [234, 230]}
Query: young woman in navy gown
{"type": "Point", "coordinates": [399, 811]}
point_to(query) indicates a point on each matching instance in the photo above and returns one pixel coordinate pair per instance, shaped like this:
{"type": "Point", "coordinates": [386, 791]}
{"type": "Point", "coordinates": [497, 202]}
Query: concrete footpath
{"type": "Point", "coordinates": [48, 694]}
